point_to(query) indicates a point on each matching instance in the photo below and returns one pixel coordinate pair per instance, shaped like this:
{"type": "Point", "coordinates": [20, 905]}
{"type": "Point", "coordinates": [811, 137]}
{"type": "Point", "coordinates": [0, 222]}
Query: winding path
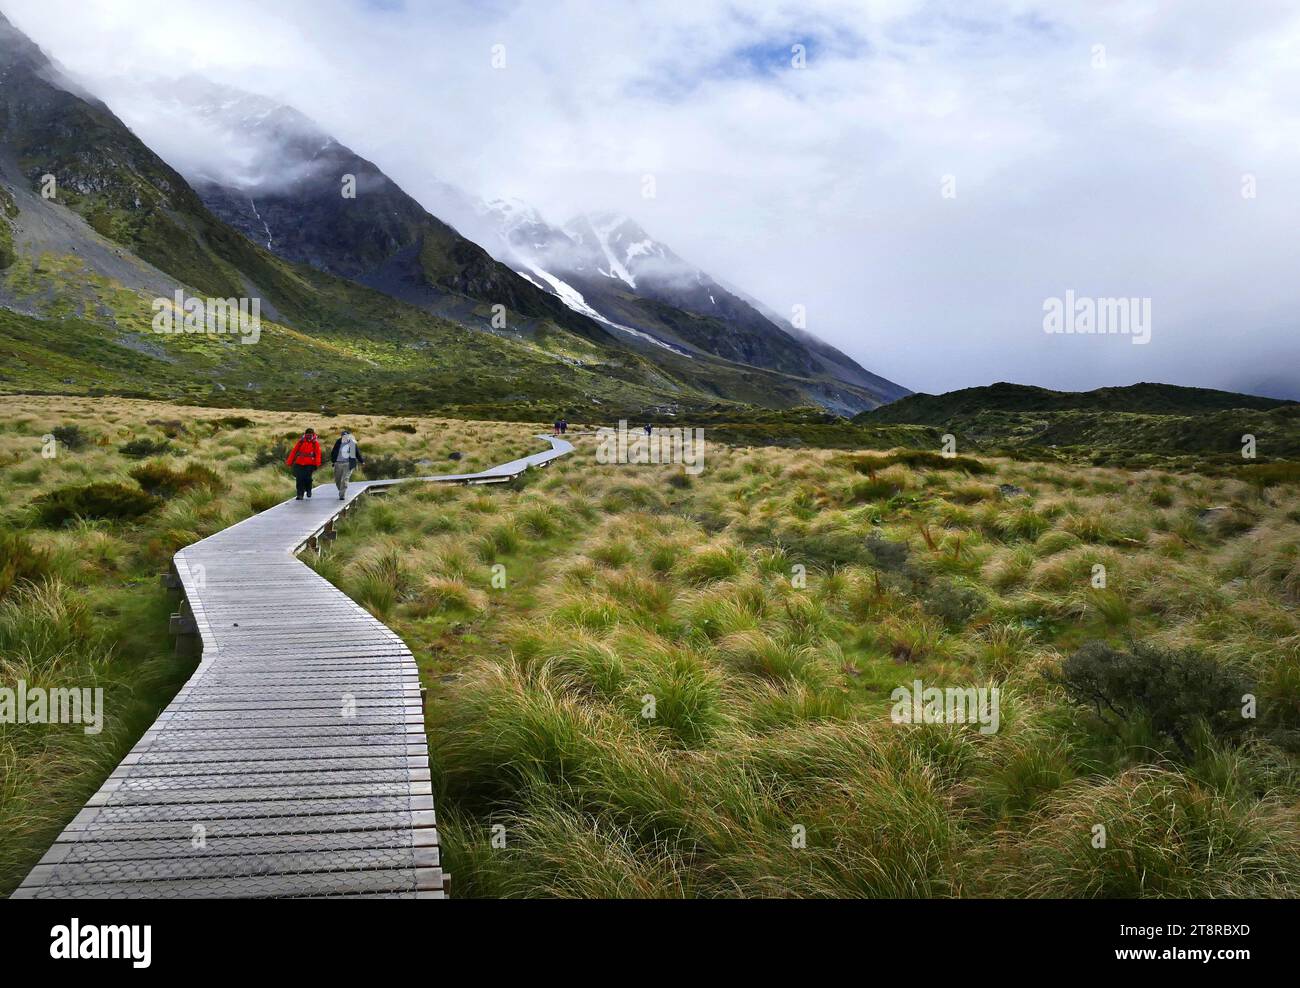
{"type": "Point", "coordinates": [293, 762]}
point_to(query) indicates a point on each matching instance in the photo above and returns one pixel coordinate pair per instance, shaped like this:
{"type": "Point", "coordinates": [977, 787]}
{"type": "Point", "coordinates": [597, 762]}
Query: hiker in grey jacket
{"type": "Point", "coordinates": [345, 456]}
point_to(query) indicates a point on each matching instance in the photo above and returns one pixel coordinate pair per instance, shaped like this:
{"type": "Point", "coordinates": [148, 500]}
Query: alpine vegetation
{"type": "Point", "coordinates": [430, 594]}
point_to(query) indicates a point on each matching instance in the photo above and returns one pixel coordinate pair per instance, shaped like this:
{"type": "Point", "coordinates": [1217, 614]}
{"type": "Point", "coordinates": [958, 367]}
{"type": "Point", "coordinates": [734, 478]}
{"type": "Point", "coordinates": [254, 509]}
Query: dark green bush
{"type": "Point", "coordinates": [159, 478]}
{"type": "Point", "coordinates": [869, 463]}
{"type": "Point", "coordinates": [20, 561]}
{"type": "Point", "coordinates": [952, 604]}
{"type": "Point", "coordinates": [70, 436]}
{"type": "Point", "coordinates": [171, 428]}
{"type": "Point", "coordinates": [822, 550]}
{"type": "Point", "coordinates": [383, 466]}
{"type": "Point", "coordinates": [1176, 690]}
{"type": "Point", "coordinates": [406, 427]}
{"type": "Point", "coordinates": [145, 447]}
{"type": "Point", "coordinates": [894, 559]}
{"type": "Point", "coordinates": [110, 501]}
{"type": "Point", "coordinates": [233, 422]}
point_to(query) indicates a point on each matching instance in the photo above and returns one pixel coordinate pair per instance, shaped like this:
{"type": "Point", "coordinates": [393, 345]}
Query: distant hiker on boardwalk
{"type": "Point", "coordinates": [564, 426]}
{"type": "Point", "coordinates": [649, 428]}
{"type": "Point", "coordinates": [303, 459]}
{"type": "Point", "coordinates": [345, 456]}
{"type": "Point", "coordinates": [555, 427]}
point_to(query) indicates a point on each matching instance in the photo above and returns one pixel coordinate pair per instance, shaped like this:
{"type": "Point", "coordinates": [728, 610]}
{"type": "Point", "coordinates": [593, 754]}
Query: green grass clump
{"type": "Point", "coordinates": [1151, 833]}
{"type": "Point", "coordinates": [665, 690]}
{"type": "Point", "coordinates": [21, 561]}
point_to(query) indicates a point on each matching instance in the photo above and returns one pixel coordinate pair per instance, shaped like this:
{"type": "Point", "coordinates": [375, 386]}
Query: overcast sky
{"type": "Point", "coordinates": [1092, 146]}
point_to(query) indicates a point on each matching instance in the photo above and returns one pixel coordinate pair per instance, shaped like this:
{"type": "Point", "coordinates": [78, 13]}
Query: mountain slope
{"type": "Point", "coordinates": [81, 272]}
{"type": "Point", "coordinates": [311, 200]}
{"type": "Point", "coordinates": [607, 264]}
{"type": "Point", "coordinates": [280, 185]}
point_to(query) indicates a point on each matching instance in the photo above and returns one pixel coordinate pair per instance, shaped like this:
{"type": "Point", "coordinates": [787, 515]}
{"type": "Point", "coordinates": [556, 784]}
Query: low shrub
{"type": "Point", "coordinates": [159, 478]}
{"type": "Point", "coordinates": [824, 550]}
{"type": "Point", "coordinates": [384, 466]}
{"type": "Point", "coordinates": [70, 436]}
{"type": "Point", "coordinates": [894, 559]}
{"type": "Point", "coordinates": [171, 428]}
{"type": "Point", "coordinates": [1176, 690]}
{"type": "Point", "coordinates": [145, 447]}
{"type": "Point", "coordinates": [952, 604]}
{"type": "Point", "coordinates": [115, 502]}
{"type": "Point", "coordinates": [916, 458]}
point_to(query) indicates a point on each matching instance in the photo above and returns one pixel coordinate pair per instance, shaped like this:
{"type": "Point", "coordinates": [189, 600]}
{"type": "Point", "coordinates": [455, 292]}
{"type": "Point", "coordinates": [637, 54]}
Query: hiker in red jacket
{"type": "Point", "coordinates": [304, 458]}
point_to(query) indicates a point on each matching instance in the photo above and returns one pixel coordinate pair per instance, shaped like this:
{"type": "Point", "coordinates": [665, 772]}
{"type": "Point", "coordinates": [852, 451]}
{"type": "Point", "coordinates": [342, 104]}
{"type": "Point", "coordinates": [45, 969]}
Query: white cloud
{"type": "Point", "coordinates": [821, 186]}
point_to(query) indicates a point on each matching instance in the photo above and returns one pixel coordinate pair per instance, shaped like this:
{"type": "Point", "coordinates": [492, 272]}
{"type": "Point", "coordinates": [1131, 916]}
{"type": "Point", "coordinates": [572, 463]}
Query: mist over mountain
{"type": "Point", "coordinates": [288, 185]}
{"type": "Point", "coordinates": [367, 296]}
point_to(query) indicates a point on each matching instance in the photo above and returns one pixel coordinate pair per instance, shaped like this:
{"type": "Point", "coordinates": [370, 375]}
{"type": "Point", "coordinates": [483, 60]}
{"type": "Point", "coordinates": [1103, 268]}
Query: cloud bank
{"type": "Point", "coordinates": [919, 176]}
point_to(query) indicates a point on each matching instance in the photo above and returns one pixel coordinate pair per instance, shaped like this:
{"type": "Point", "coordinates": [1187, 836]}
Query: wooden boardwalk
{"type": "Point", "coordinates": [293, 763]}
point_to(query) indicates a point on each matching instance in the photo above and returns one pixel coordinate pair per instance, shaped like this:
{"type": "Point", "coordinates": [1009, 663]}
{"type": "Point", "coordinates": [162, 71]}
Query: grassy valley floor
{"type": "Point", "coordinates": [647, 683]}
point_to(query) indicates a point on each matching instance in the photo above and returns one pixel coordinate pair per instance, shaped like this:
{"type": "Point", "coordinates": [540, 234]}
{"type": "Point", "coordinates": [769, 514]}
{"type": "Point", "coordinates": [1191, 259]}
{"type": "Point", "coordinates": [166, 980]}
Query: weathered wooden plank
{"type": "Point", "coordinates": [405, 880]}
{"type": "Point", "coordinates": [216, 846]}
{"type": "Point", "coordinates": [101, 833]}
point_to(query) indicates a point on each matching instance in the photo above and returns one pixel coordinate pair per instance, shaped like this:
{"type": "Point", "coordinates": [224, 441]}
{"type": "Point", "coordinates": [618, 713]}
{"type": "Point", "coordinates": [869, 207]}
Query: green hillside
{"type": "Point", "coordinates": [1155, 399]}
{"type": "Point", "coordinates": [1143, 424]}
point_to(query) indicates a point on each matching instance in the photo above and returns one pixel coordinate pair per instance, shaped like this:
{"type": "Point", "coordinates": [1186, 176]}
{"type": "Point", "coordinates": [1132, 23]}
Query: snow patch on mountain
{"type": "Point", "coordinates": [571, 297]}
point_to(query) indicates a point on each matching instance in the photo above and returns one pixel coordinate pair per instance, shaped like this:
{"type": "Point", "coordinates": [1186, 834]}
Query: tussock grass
{"type": "Point", "coordinates": [767, 608]}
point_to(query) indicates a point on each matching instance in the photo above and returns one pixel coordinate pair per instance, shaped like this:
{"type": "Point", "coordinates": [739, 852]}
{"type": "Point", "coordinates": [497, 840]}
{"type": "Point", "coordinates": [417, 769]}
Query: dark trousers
{"type": "Point", "coordinates": [302, 474]}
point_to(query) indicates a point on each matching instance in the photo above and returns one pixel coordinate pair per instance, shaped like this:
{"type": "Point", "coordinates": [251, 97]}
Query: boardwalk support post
{"type": "Point", "coordinates": [186, 629]}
